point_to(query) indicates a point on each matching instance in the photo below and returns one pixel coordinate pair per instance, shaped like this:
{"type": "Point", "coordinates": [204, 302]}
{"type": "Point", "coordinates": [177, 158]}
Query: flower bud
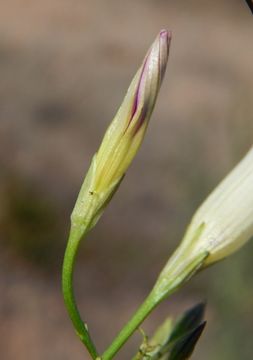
{"type": "Point", "coordinates": [226, 215]}
{"type": "Point", "coordinates": [221, 225]}
{"type": "Point", "coordinates": [124, 136]}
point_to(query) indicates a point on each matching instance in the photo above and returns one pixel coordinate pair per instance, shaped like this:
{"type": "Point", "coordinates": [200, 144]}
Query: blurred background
{"type": "Point", "coordinates": [64, 69]}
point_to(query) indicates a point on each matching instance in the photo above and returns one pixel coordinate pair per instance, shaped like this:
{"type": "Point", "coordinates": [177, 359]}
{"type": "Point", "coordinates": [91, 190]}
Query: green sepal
{"type": "Point", "coordinates": [91, 203]}
{"type": "Point", "coordinates": [169, 282]}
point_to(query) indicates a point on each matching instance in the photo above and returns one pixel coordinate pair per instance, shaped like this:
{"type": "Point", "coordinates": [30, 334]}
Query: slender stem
{"type": "Point", "coordinates": [140, 315]}
{"type": "Point", "coordinates": [68, 291]}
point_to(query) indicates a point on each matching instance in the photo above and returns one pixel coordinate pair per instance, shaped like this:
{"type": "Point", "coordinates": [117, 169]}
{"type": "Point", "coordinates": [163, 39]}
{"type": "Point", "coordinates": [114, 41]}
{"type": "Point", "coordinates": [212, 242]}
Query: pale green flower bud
{"type": "Point", "coordinates": [221, 225]}
{"type": "Point", "coordinates": [123, 137]}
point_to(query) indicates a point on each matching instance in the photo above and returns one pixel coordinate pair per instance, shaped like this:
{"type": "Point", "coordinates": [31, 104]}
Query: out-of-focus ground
{"type": "Point", "coordinates": [64, 68]}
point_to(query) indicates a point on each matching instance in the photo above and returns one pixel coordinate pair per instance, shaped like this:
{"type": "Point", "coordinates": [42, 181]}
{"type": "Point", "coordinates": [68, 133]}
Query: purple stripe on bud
{"type": "Point", "coordinates": [151, 76]}
{"type": "Point", "coordinates": [137, 95]}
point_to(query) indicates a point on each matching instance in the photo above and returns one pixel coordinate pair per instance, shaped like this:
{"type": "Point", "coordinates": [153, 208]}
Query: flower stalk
{"type": "Point", "coordinates": [68, 292]}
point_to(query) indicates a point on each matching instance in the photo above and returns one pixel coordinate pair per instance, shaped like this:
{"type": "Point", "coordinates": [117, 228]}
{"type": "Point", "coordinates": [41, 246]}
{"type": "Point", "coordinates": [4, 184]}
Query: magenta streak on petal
{"type": "Point", "coordinates": [141, 119]}
{"type": "Point", "coordinates": [137, 94]}
{"type": "Point", "coordinates": [164, 35]}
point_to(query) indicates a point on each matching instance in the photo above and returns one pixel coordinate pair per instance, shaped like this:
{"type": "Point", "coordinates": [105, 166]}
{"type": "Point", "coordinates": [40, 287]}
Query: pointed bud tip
{"type": "Point", "coordinates": [165, 34]}
{"type": "Point", "coordinates": [165, 38]}
{"type": "Point", "coordinates": [164, 44]}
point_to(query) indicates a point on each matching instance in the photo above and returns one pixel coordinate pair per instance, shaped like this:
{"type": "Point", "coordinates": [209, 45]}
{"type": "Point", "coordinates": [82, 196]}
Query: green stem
{"type": "Point", "coordinates": [68, 291]}
{"type": "Point", "coordinates": [173, 276]}
{"type": "Point", "coordinates": [140, 315]}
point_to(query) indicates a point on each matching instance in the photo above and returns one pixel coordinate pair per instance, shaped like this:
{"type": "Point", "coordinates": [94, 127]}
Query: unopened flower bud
{"type": "Point", "coordinates": [226, 215]}
{"type": "Point", "coordinates": [124, 136]}
{"type": "Point", "coordinates": [221, 225]}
